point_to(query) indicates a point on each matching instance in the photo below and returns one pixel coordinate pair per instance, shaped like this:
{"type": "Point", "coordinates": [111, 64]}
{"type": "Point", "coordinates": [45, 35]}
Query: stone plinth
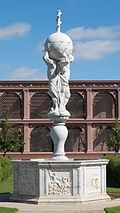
{"type": "Point", "coordinates": [59, 181]}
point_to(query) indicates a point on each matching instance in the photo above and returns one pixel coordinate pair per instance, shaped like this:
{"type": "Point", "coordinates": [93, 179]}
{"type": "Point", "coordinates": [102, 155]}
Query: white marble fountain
{"type": "Point", "coordinates": [59, 179]}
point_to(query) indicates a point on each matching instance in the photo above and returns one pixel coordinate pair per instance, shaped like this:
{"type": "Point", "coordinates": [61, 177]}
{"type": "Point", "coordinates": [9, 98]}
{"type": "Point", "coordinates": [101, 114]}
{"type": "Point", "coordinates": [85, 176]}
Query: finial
{"type": "Point", "coordinates": [58, 20]}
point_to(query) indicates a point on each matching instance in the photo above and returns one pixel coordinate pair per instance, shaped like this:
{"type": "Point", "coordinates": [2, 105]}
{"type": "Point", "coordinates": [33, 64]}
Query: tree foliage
{"type": "Point", "coordinates": [113, 171]}
{"type": "Point", "coordinates": [114, 141]}
{"type": "Point", "coordinates": [10, 137]}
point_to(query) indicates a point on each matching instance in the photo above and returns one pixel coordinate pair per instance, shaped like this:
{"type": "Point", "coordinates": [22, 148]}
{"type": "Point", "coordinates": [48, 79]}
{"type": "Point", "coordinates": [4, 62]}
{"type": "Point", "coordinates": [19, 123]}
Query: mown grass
{"type": "Point", "coordinates": [113, 209]}
{"type": "Point", "coordinates": [7, 185]}
{"type": "Point", "coordinates": [113, 190]}
{"type": "Point", "coordinates": [8, 210]}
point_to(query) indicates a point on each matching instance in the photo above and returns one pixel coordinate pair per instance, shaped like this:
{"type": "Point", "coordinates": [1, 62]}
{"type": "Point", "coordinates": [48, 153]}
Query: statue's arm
{"type": "Point", "coordinates": [47, 59]}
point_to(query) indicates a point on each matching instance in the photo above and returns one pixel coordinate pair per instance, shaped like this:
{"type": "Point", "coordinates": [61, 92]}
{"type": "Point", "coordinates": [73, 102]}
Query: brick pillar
{"type": "Point", "coordinates": [118, 107]}
{"type": "Point", "coordinates": [26, 138]}
{"type": "Point", "coordinates": [26, 104]}
{"type": "Point", "coordinates": [89, 138]}
{"type": "Point", "coordinates": [89, 104]}
{"type": "Point", "coordinates": [26, 116]}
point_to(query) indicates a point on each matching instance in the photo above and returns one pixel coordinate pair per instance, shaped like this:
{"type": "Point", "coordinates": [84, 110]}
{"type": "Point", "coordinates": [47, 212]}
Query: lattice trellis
{"type": "Point", "coordinates": [76, 141]}
{"type": "Point", "coordinates": [40, 105]}
{"type": "Point", "coordinates": [76, 106]}
{"type": "Point", "coordinates": [10, 106]}
{"type": "Point", "coordinates": [103, 106]}
{"type": "Point", "coordinates": [40, 140]}
{"type": "Point", "coordinates": [103, 133]}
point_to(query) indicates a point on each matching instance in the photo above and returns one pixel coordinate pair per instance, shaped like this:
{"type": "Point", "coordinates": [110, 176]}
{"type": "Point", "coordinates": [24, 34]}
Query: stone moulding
{"type": "Point", "coordinates": [59, 181]}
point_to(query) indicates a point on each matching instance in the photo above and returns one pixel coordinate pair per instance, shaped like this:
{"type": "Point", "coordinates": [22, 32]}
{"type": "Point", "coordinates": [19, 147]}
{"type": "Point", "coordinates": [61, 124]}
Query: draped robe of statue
{"type": "Point", "coordinates": [58, 75]}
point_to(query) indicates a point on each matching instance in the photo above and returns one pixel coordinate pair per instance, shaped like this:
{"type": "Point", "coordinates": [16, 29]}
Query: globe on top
{"type": "Point", "coordinates": [59, 44]}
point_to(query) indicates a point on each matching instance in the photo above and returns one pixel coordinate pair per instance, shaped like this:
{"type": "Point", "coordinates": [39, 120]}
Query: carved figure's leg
{"type": "Point", "coordinates": [65, 95]}
{"type": "Point", "coordinates": [55, 104]}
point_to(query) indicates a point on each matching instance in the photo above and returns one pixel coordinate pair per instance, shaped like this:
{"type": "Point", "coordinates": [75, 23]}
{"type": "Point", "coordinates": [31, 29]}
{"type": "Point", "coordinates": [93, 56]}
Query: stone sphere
{"type": "Point", "coordinates": [58, 44]}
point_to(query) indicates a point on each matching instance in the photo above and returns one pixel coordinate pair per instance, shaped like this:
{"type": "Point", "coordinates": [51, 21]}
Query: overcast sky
{"type": "Point", "coordinates": [93, 25]}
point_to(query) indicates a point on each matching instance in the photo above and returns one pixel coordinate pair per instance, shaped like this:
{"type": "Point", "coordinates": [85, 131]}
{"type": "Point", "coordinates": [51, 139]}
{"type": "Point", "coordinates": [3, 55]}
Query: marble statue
{"type": "Point", "coordinates": [58, 57]}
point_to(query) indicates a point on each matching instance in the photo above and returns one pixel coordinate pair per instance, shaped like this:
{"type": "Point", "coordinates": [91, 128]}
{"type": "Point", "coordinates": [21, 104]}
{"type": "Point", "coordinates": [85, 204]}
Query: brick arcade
{"type": "Point", "coordinates": [94, 106]}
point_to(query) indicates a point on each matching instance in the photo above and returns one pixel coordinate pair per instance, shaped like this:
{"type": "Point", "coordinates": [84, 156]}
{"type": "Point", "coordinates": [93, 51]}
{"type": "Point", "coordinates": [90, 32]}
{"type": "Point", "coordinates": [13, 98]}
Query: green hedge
{"type": "Point", "coordinates": [5, 168]}
{"type": "Point", "coordinates": [113, 172]}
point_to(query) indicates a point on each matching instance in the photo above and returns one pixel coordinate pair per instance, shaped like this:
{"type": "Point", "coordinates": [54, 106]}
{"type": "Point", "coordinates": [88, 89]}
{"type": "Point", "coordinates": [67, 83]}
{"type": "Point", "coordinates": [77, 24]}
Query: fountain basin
{"type": "Point", "coordinates": [59, 181]}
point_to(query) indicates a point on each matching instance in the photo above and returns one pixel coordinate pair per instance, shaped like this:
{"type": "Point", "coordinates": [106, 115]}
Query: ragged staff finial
{"type": "Point", "coordinates": [58, 20]}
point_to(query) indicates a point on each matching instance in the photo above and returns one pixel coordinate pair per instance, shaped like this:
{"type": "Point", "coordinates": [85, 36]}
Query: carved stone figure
{"type": "Point", "coordinates": [58, 56]}
{"type": "Point", "coordinates": [59, 186]}
{"type": "Point", "coordinates": [59, 75]}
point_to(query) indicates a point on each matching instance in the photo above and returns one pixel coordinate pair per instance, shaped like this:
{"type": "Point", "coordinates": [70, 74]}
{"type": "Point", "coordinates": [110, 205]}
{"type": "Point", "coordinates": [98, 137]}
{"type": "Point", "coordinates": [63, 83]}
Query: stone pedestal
{"type": "Point", "coordinates": [59, 181]}
{"type": "Point", "coordinates": [59, 133]}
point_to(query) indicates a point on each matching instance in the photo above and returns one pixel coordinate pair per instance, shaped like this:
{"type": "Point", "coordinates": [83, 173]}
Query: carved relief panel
{"type": "Point", "coordinates": [93, 180]}
{"type": "Point", "coordinates": [59, 183]}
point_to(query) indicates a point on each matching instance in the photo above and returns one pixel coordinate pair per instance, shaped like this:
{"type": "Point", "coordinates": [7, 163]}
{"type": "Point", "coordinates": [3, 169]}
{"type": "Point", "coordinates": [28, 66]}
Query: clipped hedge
{"type": "Point", "coordinates": [5, 168]}
{"type": "Point", "coordinates": [113, 171]}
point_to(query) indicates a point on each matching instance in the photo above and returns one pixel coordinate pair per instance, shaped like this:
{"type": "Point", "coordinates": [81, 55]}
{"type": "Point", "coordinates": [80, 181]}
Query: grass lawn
{"type": "Point", "coordinates": [8, 210]}
{"type": "Point", "coordinates": [6, 186]}
{"type": "Point", "coordinates": [113, 190]}
{"type": "Point", "coordinates": [113, 209]}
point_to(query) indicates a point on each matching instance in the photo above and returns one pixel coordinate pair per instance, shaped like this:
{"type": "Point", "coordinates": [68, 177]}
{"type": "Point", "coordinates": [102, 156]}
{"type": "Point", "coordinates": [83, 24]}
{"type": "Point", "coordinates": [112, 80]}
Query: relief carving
{"type": "Point", "coordinates": [59, 185]}
{"type": "Point", "coordinates": [93, 184]}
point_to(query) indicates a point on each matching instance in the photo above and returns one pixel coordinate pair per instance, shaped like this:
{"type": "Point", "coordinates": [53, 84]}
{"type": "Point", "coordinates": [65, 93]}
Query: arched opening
{"type": "Point", "coordinates": [76, 140]}
{"type": "Point", "coordinates": [10, 106]}
{"type": "Point", "coordinates": [76, 106]}
{"type": "Point", "coordinates": [103, 106]}
{"type": "Point", "coordinates": [40, 105]}
{"type": "Point", "coordinates": [102, 135]}
{"type": "Point", "coordinates": [40, 140]}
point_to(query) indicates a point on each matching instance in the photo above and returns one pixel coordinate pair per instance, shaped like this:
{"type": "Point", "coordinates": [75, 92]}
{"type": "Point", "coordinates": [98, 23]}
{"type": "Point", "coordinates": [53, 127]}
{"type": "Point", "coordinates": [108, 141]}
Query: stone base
{"type": "Point", "coordinates": [59, 181]}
